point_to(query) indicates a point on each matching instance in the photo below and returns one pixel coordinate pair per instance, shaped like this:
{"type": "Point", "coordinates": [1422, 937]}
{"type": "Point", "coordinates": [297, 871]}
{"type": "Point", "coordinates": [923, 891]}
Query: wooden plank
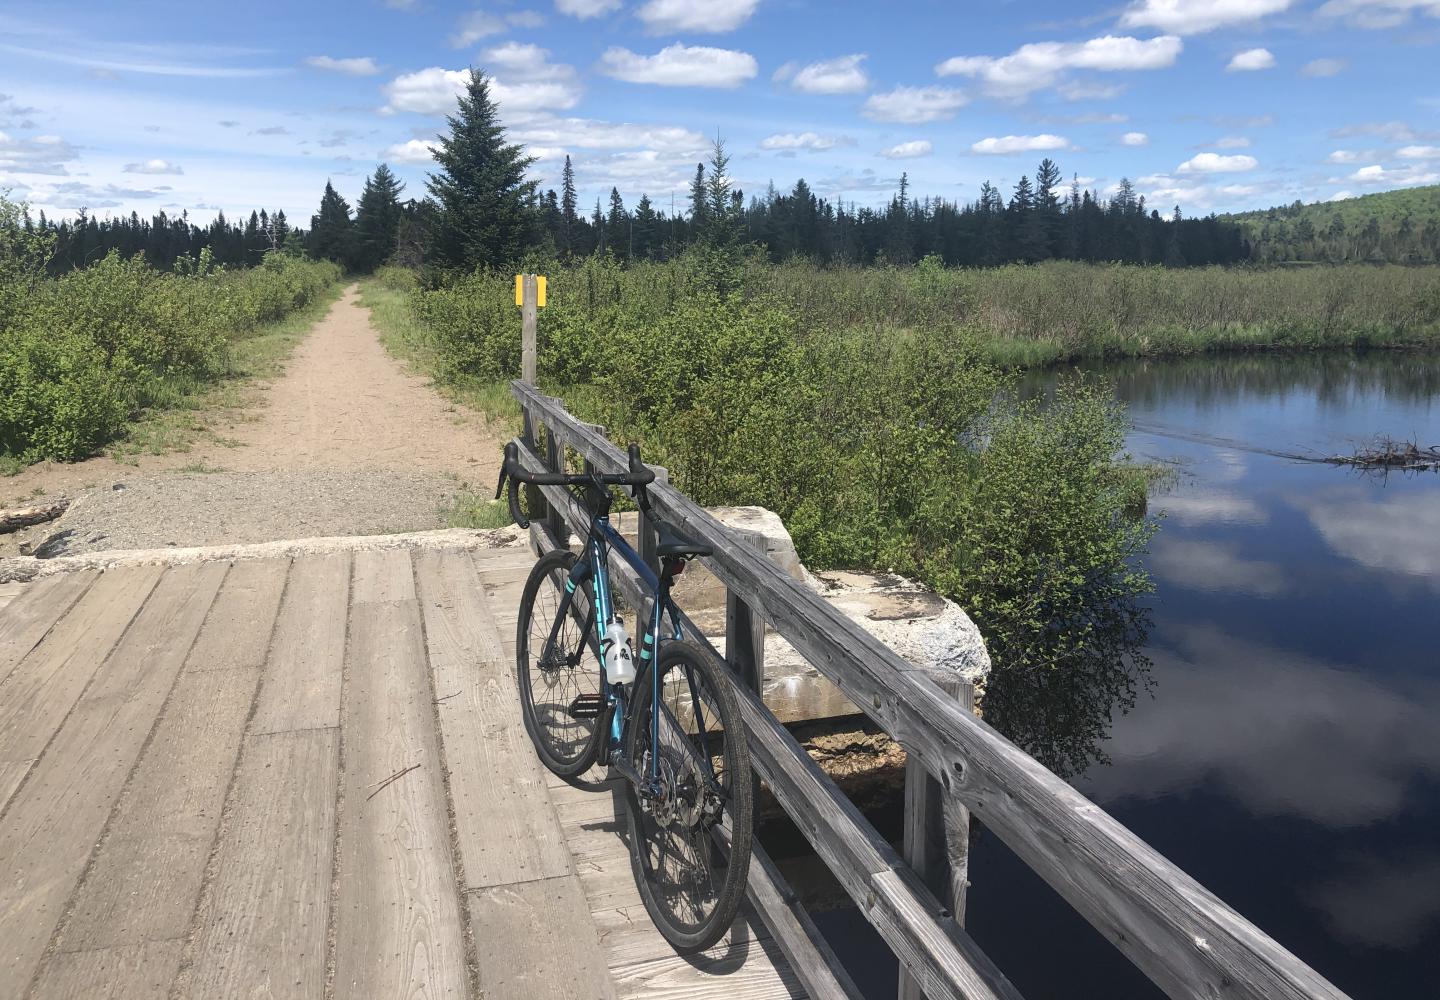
{"type": "Point", "coordinates": [535, 941]}
{"type": "Point", "coordinates": [754, 972]}
{"type": "Point", "coordinates": [301, 687]}
{"type": "Point", "coordinates": [34, 611]}
{"type": "Point", "coordinates": [262, 923]}
{"type": "Point", "coordinates": [56, 818]}
{"type": "Point", "coordinates": [45, 685]}
{"type": "Point", "coordinates": [239, 627]}
{"type": "Point", "coordinates": [1185, 939]}
{"type": "Point", "coordinates": [130, 972]}
{"type": "Point", "coordinates": [145, 880]}
{"type": "Point", "coordinates": [383, 576]}
{"type": "Point", "coordinates": [398, 927]}
{"type": "Point", "coordinates": [505, 827]}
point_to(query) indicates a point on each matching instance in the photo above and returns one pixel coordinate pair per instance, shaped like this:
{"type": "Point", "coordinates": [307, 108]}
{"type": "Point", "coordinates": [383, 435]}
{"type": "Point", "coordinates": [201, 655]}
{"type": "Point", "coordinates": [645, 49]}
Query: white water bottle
{"type": "Point", "coordinates": [619, 657]}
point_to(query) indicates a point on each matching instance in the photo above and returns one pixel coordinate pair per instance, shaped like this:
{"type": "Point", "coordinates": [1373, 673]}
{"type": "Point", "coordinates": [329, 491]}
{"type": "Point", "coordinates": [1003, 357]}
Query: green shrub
{"type": "Point", "coordinates": [79, 355]}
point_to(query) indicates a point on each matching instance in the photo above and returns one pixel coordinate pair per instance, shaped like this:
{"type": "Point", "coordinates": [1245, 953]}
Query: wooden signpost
{"type": "Point", "coordinates": [529, 296]}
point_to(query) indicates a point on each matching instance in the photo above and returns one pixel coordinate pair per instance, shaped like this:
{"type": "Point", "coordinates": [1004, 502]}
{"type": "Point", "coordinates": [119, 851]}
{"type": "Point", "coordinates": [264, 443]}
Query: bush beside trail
{"type": "Point", "coordinates": [81, 354]}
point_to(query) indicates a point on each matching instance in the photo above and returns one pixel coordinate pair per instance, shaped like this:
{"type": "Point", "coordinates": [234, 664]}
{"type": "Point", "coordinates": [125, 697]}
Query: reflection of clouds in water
{"type": "Point", "coordinates": [1283, 734]}
{"type": "Point", "coordinates": [1382, 903]}
{"type": "Point", "coordinates": [1399, 534]}
{"type": "Point", "coordinates": [1229, 467]}
{"type": "Point", "coordinates": [1211, 508]}
{"type": "Point", "coordinates": [1210, 566]}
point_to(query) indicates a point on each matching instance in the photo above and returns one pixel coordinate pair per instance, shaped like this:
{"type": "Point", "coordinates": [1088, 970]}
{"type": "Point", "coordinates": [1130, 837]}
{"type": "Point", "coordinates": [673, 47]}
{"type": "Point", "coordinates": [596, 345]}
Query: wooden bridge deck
{"type": "Point", "coordinates": [308, 777]}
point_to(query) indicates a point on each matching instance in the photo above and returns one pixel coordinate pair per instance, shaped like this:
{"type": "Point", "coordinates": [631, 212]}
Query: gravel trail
{"type": "Point", "coordinates": [346, 441]}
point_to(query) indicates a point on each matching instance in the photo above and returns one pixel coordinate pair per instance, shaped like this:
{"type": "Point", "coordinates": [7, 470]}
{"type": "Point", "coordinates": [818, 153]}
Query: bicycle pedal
{"type": "Point", "coordinates": [585, 706]}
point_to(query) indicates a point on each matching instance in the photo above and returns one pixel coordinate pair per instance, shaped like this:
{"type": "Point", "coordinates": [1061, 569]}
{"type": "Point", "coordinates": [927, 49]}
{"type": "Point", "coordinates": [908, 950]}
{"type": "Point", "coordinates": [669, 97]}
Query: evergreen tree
{"type": "Point", "coordinates": [617, 225]}
{"type": "Point", "coordinates": [332, 232]}
{"type": "Point", "coordinates": [697, 201]}
{"type": "Point", "coordinates": [643, 228]}
{"type": "Point", "coordinates": [377, 217]}
{"type": "Point", "coordinates": [722, 218]}
{"type": "Point", "coordinates": [481, 191]}
{"type": "Point", "coordinates": [568, 203]}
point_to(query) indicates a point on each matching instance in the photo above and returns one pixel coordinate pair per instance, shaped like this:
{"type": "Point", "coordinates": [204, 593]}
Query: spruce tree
{"type": "Point", "coordinates": [643, 227]}
{"type": "Point", "coordinates": [332, 233]}
{"type": "Point", "coordinates": [377, 216]}
{"type": "Point", "coordinates": [481, 188]}
{"type": "Point", "coordinates": [568, 206]}
{"type": "Point", "coordinates": [617, 223]}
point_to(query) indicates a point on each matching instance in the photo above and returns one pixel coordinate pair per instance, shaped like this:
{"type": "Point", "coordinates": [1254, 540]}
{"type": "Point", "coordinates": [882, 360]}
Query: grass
{"type": "Point", "coordinates": [407, 339]}
{"type": "Point", "coordinates": [472, 510]}
{"type": "Point", "coordinates": [186, 409]}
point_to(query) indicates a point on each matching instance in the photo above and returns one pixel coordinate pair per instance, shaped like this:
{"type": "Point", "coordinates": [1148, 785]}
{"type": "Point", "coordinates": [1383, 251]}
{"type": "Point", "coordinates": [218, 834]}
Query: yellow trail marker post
{"type": "Point", "coordinates": [529, 296]}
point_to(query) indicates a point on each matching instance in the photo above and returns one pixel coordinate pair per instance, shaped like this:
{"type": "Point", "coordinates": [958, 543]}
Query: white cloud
{"type": "Point", "coordinates": [1194, 17]}
{"type": "Point", "coordinates": [153, 167]}
{"type": "Point", "coordinates": [358, 66]}
{"type": "Point", "coordinates": [695, 16]}
{"type": "Point", "coordinates": [1251, 60]}
{"type": "Point", "coordinates": [479, 24]}
{"type": "Point", "coordinates": [589, 133]}
{"type": "Point", "coordinates": [1341, 196]}
{"type": "Point", "coordinates": [680, 66]}
{"type": "Point", "coordinates": [414, 151]}
{"type": "Point", "coordinates": [1325, 67]}
{"type": "Point", "coordinates": [1039, 65]}
{"type": "Point", "coordinates": [1232, 142]}
{"type": "Point", "coordinates": [914, 105]}
{"type": "Point", "coordinates": [908, 150]}
{"type": "Point", "coordinates": [525, 81]}
{"type": "Point", "coordinates": [1215, 163]}
{"type": "Point", "coordinates": [1379, 13]}
{"type": "Point", "coordinates": [1418, 153]}
{"type": "Point", "coordinates": [832, 76]}
{"type": "Point", "coordinates": [796, 141]}
{"type": "Point", "coordinates": [586, 8]}
{"type": "Point", "coordinates": [431, 91]}
{"type": "Point", "coordinates": [1343, 156]}
{"type": "Point", "coordinates": [1019, 144]}
{"type": "Point", "coordinates": [1135, 139]}
{"type": "Point", "coordinates": [1403, 177]}
{"type": "Point", "coordinates": [45, 154]}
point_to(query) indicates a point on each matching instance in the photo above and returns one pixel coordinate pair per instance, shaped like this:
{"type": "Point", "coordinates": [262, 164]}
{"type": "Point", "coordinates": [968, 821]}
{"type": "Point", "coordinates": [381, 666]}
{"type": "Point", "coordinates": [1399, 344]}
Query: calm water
{"type": "Point", "coordinates": [1288, 753]}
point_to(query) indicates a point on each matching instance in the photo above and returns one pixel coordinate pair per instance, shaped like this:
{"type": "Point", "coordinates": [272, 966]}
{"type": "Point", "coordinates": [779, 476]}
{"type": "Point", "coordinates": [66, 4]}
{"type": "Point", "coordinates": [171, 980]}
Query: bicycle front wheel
{"type": "Point", "coordinates": [691, 884]}
{"type": "Point", "coordinates": [559, 689]}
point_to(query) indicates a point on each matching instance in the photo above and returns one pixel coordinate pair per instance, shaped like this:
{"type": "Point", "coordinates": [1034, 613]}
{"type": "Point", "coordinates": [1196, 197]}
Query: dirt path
{"type": "Point", "coordinates": [346, 441]}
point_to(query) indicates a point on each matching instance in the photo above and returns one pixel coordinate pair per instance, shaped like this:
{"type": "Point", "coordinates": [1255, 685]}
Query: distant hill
{"type": "Point", "coordinates": [1401, 226]}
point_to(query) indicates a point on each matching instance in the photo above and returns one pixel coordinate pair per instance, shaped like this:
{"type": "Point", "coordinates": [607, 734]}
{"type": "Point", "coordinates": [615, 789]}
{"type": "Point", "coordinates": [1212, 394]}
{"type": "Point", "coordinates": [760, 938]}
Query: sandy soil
{"type": "Point", "coordinates": [346, 433]}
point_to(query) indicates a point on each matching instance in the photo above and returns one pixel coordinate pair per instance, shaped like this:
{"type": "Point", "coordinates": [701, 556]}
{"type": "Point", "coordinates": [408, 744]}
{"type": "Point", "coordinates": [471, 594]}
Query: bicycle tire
{"type": "Point", "coordinates": [565, 743]}
{"type": "Point", "coordinates": [649, 836]}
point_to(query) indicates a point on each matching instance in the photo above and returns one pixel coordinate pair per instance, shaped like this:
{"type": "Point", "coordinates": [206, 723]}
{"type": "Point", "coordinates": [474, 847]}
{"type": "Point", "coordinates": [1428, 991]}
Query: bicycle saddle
{"type": "Point", "coordinates": [673, 543]}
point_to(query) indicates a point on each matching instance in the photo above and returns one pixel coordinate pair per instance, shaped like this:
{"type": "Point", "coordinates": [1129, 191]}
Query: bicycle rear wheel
{"type": "Point", "coordinates": [690, 883]}
{"type": "Point", "coordinates": [559, 693]}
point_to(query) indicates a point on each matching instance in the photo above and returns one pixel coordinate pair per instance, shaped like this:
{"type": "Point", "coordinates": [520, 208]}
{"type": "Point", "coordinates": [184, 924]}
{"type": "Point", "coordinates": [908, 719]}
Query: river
{"type": "Point", "coordinates": [1287, 752]}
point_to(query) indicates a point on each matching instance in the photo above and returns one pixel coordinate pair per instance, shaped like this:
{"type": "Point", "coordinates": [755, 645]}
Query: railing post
{"type": "Point", "coordinates": [528, 308]}
{"type": "Point", "coordinates": [745, 630]}
{"type": "Point", "coordinates": [937, 831]}
{"type": "Point", "coordinates": [555, 462]}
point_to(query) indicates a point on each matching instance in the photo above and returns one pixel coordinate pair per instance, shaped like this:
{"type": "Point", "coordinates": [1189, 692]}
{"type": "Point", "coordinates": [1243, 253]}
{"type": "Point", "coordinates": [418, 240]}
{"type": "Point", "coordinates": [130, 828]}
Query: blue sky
{"type": "Point", "coordinates": [1217, 105]}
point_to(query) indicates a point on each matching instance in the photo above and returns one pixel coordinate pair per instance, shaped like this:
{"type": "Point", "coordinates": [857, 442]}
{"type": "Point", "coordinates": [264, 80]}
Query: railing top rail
{"type": "Point", "coordinates": [1184, 938]}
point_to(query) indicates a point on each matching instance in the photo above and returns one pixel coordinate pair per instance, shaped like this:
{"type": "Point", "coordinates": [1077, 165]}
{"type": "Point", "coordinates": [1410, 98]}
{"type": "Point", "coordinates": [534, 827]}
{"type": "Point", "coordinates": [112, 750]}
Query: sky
{"type": "Point", "coordinates": [1219, 105]}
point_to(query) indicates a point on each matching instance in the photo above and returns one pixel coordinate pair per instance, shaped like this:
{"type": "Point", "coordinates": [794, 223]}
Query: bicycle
{"type": "Point", "coordinates": [667, 721]}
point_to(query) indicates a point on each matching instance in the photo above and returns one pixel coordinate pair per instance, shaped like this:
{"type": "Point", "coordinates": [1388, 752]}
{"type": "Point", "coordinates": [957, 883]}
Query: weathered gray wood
{"type": "Point", "coordinates": [504, 825]}
{"type": "Point", "coordinates": [1186, 940]}
{"type": "Point", "coordinates": [57, 816]}
{"type": "Point", "coordinates": [128, 972]}
{"type": "Point", "coordinates": [748, 973]}
{"type": "Point", "coordinates": [46, 683]}
{"type": "Point", "coordinates": [23, 517]}
{"type": "Point", "coordinates": [937, 832]}
{"type": "Point", "coordinates": [398, 919]}
{"type": "Point", "coordinates": [745, 631]}
{"type": "Point", "coordinates": [144, 882]}
{"type": "Point", "coordinates": [529, 296]}
{"type": "Point", "coordinates": [301, 688]}
{"type": "Point", "coordinates": [239, 627]}
{"type": "Point", "coordinates": [536, 941]}
{"type": "Point", "coordinates": [383, 576]}
{"type": "Point", "coordinates": [261, 928]}
{"type": "Point", "coordinates": [35, 611]}
{"type": "Point", "coordinates": [555, 462]}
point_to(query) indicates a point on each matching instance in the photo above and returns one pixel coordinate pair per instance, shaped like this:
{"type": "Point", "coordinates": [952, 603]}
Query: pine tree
{"type": "Point", "coordinates": [643, 227]}
{"type": "Point", "coordinates": [332, 232]}
{"type": "Point", "coordinates": [722, 218]}
{"type": "Point", "coordinates": [377, 216]}
{"type": "Point", "coordinates": [697, 202]}
{"type": "Point", "coordinates": [481, 188]}
{"type": "Point", "coordinates": [567, 208]}
{"type": "Point", "coordinates": [617, 224]}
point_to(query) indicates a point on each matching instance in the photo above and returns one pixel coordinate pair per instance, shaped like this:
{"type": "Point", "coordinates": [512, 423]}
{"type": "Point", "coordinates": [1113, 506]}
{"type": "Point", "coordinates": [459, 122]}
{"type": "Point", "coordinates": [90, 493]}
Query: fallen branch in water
{"type": "Point", "coordinates": [23, 517]}
{"type": "Point", "coordinates": [1404, 456]}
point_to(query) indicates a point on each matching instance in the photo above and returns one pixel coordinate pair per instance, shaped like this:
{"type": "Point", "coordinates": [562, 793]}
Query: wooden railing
{"type": "Point", "coordinates": [1185, 939]}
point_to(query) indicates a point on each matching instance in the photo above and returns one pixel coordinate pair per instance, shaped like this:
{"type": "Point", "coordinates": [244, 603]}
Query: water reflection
{"type": "Point", "coordinates": [1383, 903]}
{"type": "Point", "coordinates": [1213, 566]}
{"type": "Point", "coordinates": [1398, 534]}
